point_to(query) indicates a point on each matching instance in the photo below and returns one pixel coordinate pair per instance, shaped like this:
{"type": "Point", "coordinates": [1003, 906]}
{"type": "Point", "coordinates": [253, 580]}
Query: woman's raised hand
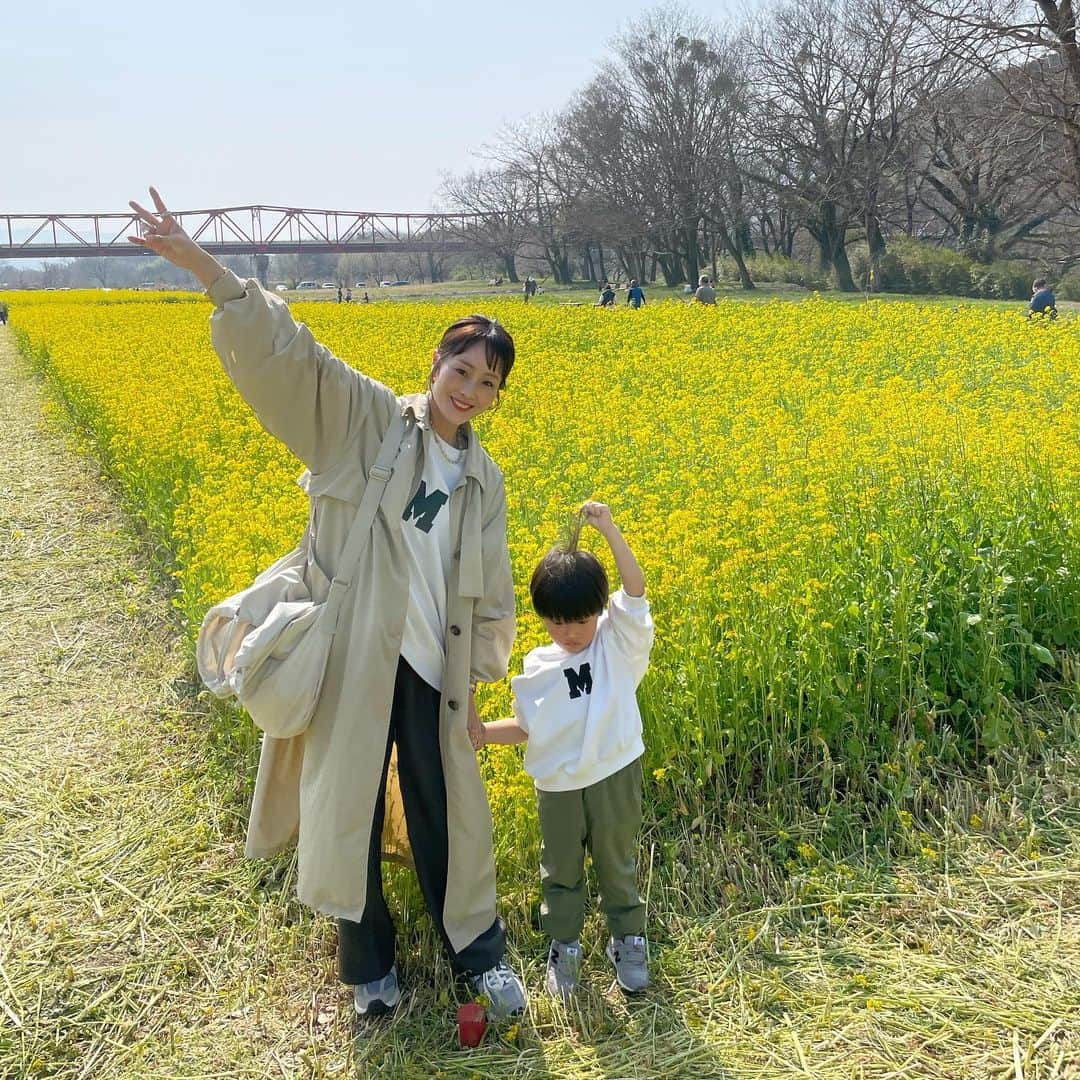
{"type": "Point", "coordinates": [162, 234]}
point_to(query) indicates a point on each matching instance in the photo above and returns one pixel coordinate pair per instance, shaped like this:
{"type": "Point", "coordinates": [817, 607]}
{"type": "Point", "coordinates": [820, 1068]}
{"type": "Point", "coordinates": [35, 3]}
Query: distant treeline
{"type": "Point", "coordinates": [812, 131]}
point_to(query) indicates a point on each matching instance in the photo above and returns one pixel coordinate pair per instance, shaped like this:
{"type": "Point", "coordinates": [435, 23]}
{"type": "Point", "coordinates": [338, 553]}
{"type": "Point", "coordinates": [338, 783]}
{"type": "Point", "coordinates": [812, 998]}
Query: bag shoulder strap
{"type": "Point", "coordinates": [360, 531]}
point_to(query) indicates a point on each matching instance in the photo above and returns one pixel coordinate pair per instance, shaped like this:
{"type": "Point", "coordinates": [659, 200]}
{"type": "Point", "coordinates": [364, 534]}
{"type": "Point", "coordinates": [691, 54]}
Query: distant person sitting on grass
{"type": "Point", "coordinates": [1042, 299]}
{"type": "Point", "coordinates": [705, 293]}
{"type": "Point", "coordinates": [607, 296]}
{"type": "Point", "coordinates": [576, 704]}
{"type": "Point", "coordinates": [635, 295]}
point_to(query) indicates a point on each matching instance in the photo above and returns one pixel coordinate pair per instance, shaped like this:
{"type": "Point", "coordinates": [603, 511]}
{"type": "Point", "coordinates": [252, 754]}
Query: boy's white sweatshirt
{"type": "Point", "coordinates": [580, 709]}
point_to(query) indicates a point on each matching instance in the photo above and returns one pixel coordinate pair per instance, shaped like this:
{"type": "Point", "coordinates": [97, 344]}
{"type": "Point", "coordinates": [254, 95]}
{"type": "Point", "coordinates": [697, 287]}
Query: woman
{"type": "Point", "coordinates": [431, 614]}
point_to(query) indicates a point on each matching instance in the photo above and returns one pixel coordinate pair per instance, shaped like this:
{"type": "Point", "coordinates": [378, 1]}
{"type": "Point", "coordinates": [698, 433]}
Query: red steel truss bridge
{"type": "Point", "coordinates": [243, 230]}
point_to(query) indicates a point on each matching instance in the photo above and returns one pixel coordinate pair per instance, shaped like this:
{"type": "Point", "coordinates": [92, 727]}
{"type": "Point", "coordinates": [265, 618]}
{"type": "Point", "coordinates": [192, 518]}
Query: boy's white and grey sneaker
{"type": "Point", "coordinates": [563, 968]}
{"type": "Point", "coordinates": [503, 989]}
{"type": "Point", "coordinates": [378, 997]}
{"type": "Point", "coordinates": [631, 964]}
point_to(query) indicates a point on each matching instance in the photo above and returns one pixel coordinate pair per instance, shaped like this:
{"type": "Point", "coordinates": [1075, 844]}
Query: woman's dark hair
{"type": "Point", "coordinates": [569, 584]}
{"type": "Point", "coordinates": [1039, 283]}
{"type": "Point", "coordinates": [498, 344]}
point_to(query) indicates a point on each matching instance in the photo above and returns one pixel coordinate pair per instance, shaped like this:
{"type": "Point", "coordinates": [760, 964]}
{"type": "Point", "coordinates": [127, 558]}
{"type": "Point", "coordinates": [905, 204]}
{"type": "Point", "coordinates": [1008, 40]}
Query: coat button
{"type": "Point", "coordinates": [452, 705]}
{"type": "Point", "coordinates": [455, 630]}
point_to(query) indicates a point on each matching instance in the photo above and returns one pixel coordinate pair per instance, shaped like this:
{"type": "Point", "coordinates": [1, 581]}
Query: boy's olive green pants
{"type": "Point", "coordinates": [603, 818]}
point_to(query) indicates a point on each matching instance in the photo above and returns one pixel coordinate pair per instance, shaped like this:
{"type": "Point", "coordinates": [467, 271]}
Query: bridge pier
{"type": "Point", "coordinates": [262, 269]}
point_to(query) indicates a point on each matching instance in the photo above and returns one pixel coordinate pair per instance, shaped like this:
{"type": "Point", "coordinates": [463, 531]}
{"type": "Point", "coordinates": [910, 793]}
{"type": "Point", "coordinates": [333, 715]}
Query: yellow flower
{"type": "Point", "coordinates": [797, 480]}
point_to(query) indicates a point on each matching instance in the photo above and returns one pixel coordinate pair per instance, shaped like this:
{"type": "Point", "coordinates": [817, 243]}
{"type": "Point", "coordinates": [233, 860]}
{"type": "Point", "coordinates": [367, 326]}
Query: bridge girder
{"type": "Point", "coordinates": [244, 230]}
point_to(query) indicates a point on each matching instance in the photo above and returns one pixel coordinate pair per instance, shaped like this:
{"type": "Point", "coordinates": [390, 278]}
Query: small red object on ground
{"type": "Point", "coordinates": [471, 1024]}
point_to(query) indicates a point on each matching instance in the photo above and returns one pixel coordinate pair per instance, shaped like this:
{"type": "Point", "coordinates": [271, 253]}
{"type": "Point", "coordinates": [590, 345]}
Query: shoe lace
{"type": "Point", "coordinates": [499, 977]}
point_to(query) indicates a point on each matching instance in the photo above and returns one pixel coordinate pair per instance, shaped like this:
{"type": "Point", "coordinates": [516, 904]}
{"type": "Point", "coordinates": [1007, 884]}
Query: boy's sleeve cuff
{"type": "Point", "coordinates": [632, 603]}
{"type": "Point", "coordinates": [226, 287]}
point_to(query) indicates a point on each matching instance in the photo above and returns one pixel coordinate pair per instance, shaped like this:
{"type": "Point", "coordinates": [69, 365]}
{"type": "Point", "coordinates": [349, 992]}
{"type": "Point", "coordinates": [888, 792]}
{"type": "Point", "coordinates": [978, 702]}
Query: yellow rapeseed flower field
{"type": "Point", "coordinates": [858, 523]}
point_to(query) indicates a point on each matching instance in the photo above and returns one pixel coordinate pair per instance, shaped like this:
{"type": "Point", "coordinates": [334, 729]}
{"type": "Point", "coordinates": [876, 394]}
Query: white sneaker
{"type": "Point", "coordinates": [378, 997]}
{"type": "Point", "coordinates": [631, 966]}
{"type": "Point", "coordinates": [563, 968]}
{"type": "Point", "coordinates": [503, 989]}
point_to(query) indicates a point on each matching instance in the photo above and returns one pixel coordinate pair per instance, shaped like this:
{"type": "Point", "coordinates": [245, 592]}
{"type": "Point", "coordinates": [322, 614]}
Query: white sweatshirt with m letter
{"type": "Point", "coordinates": [580, 710]}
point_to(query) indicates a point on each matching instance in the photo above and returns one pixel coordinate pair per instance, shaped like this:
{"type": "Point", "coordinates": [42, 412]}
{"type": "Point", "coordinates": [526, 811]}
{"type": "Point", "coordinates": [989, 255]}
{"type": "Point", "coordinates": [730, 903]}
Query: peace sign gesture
{"type": "Point", "coordinates": [162, 234]}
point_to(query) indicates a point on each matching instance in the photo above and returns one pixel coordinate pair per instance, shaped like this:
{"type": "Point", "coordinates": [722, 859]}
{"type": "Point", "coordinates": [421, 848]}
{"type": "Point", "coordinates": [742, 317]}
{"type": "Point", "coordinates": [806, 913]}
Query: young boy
{"type": "Point", "coordinates": [576, 705]}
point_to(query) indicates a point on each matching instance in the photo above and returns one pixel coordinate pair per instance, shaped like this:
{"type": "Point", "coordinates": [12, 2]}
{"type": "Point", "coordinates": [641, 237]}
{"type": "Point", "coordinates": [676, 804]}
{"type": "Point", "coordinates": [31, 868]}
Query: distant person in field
{"type": "Point", "coordinates": [1042, 299]}
{"type": "Point", "coordinates": [348, 296]}
{"type": "Point", "coordinates": [367, 299]}
{"type": "Point", "coordinates": [705, 293]}
{"type": "Point", "coordinates": [635, 295]}
{"type": "Point", "coordinates": [339, 294]}
{"type": "Point", "coordinates": [429, 613]}
{"type": "Point", "coordinates": [528, 290]}
{"type": "Point", "coordinates": [576, 704]}
{"type": "Point", "coordinates": [3, 313]}
{"type": "Point", "coordinates": [607, 296]}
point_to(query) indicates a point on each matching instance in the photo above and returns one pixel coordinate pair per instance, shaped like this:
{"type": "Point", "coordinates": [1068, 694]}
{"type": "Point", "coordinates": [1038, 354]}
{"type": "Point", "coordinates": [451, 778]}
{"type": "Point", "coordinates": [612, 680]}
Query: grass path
{"type": "Point", "coordinates": [136, 943]}
{"type": "Point", "coordinates": [131, 940]}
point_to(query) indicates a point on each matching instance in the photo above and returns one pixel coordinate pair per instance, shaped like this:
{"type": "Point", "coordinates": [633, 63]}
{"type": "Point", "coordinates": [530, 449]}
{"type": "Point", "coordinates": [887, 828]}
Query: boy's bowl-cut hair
{"type": "Point", "coordinates": [569, 585]}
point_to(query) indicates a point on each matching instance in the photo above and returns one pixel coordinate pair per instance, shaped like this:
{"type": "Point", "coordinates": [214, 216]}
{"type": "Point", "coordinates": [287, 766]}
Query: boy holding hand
{"type": "Point", "coordinates": [576, 705]}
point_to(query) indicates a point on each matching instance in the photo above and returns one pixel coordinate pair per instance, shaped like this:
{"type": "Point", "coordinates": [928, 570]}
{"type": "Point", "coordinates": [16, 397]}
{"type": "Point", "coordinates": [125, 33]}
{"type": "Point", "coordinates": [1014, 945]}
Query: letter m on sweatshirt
{"type": "Point", "coordinates": [424, 508]}
{"type": "Point", "coordinates": [580, 681]}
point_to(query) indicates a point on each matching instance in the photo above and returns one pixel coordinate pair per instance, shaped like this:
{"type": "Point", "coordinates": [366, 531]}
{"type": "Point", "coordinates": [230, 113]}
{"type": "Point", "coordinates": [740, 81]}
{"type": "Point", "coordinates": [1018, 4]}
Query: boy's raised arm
{"type": "Point", "coordinates": [630, 573]}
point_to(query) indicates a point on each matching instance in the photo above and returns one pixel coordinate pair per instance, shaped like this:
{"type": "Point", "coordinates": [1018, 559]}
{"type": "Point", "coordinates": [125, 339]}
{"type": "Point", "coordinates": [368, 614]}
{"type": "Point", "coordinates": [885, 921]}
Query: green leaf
{"type": "Point", "coordinates": [995, 731]}
{"type": "Point", "coordinates": [1041, 653]}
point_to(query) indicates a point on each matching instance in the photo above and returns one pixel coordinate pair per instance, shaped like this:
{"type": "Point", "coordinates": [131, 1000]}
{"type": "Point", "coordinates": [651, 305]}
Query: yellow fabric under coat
{"type": "Point", "coordinates": [321, 786]}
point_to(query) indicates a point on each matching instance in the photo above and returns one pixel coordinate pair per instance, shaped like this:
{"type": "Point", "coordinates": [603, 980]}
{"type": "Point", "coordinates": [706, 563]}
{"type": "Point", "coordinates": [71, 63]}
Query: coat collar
{"type": "Point", "coordinates": [418, 407]}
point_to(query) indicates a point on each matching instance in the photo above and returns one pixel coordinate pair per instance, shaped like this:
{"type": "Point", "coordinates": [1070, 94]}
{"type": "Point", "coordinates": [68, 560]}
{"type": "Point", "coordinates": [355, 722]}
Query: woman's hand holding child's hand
{"type": "Point", "coordinates": [476, 728]}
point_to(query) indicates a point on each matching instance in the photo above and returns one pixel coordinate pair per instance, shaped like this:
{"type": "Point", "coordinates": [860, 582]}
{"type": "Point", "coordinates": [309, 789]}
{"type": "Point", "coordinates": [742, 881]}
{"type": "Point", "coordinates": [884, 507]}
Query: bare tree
{"type": "Point", "coordinates": [653, 138]}
{"type": "Point", "coordinates": [978, 181]}
{"type": "Point", "coordinates": [502, 195]}
{"type": "Point", "coordinates": [838, 85]}
{"type": "Point", "coordinates": [1029, 49]}
{"type": "Point", "coordinates": [534, 153]}
{"type": "Point", "coordinates": [53, 274]}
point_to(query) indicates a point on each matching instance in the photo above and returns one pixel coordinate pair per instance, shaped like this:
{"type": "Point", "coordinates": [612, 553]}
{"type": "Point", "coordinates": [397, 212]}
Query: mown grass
{"type": "Point", "coordinates": [145, 947]}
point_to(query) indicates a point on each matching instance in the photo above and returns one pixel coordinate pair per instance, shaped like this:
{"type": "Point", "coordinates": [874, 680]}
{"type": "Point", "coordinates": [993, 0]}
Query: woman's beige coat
{"type": "Point", "coordinates": [322, 785]}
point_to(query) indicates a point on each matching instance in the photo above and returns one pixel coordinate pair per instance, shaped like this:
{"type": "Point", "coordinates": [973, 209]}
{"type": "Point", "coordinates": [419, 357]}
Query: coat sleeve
{"type": "Point", "coordinates": [494, 621]}
{"type": "Point", "coordinates": [301, 393]}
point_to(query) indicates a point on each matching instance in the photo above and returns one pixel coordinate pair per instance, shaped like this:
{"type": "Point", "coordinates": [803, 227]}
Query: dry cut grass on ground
{"type": "Point", "coordinates": [135, 942]}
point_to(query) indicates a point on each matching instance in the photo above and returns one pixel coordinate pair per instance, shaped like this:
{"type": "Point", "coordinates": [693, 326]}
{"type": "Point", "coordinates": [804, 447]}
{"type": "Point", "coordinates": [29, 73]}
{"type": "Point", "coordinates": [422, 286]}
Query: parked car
{"type": "Point", "coordinates": [329, 284]}
{"type": "Point", "coordinates": [385, 284]}
{"type": "Point", "coordinates": [360, 285]}
{"type": "Point", "coordinates": [282, 287]}
{"type": "Point", "coordinates": [308, 285]}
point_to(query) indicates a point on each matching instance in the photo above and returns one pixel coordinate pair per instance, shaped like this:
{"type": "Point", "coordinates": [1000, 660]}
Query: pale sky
{"type": "Point", "coordinates": [320, 104]}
